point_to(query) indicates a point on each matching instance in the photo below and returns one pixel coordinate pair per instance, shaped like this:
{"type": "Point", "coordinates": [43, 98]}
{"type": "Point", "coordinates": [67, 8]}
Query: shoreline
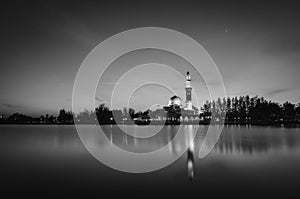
{"type": "Point", "coordinates": [287, 125]}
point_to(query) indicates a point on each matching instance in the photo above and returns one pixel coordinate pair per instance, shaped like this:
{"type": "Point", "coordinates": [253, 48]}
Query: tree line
{"type": "Point", "coordinates": [237, 110]}
{"type": "Point", "coordinates": [64, 117]}
{"type": "Point", "coordinates": [102, 115]}
{"type": "Point", "coordinates": [251, 110]}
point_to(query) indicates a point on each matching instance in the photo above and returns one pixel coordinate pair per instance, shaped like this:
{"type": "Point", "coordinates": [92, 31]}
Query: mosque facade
{"type": "Point", "coordinates": [175, 111]}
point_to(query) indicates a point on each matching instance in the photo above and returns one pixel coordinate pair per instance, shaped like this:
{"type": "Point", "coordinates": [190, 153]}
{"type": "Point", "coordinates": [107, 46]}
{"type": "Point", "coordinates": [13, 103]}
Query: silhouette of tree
{"type": "Point", "coordinates": [65, 117]}
{"type": "Point", "coordinates": [254, 110]}
{"type": "Point", "coordinates": [239, 110]}
{"type": "Point", "coordinates": [297, 109]}
{"type": "Point", "coordinates": [131, 112]}
{"type": "Point", "coordinates": [125, 112]}
{"type": "Point", "coordinates": [289, 112]}
{"type": "Point", "coordinates": [117, 115]}
{"type": "Point", "coordinates": [104, 115]}
{"type": "Point", "coordinates": [18, 118]}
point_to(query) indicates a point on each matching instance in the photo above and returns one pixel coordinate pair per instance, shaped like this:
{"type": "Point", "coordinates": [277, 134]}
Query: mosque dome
{"type": "Point", "coordinates": [175, 100]}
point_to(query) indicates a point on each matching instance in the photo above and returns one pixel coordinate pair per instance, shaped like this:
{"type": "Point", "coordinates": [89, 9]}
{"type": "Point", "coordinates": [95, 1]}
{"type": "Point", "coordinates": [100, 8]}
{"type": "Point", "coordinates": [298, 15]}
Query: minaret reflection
{"type": "Point", "coordinates": [190, 152]}
{"type": "Point", "coordinates": [161, 139]}
{"type": "Point", "coordinates": [190, 164]}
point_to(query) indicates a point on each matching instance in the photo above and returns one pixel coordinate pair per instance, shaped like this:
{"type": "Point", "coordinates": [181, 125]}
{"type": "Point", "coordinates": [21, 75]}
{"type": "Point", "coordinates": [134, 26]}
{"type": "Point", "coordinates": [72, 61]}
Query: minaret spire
{"type": "Point", "coordinates": [188, 91]}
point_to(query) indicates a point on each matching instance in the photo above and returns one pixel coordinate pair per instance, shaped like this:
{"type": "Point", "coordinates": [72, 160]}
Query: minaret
{"type": "Point", "coordinates": [188, 91]}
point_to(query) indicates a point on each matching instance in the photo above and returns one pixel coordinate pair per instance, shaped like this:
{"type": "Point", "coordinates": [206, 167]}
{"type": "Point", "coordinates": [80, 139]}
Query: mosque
{"type": "Point", "coordinates": [175, 111]}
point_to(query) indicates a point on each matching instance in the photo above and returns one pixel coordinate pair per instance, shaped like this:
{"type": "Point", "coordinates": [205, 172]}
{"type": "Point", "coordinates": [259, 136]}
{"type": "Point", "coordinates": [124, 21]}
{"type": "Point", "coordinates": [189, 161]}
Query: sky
{"type": "Point", "coordinates": [255, 45]}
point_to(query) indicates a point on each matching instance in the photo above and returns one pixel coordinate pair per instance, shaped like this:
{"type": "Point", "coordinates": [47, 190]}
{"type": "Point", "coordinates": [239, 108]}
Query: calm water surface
{"type": "Point", "coordinates": [246, 161]}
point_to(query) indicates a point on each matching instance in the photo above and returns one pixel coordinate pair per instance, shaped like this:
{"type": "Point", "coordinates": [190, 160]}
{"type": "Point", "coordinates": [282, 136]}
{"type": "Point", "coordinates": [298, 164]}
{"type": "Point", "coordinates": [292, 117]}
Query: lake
{"type": "Point", "coordinates": [51, 160]}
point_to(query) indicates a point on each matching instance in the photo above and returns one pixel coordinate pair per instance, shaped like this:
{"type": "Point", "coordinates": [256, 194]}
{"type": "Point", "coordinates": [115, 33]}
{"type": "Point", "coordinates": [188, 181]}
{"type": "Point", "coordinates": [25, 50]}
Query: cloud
{"type": "Point", "coordinates": [278, 91]}
{"type": "Point", "coordinates": [11, 106]}
{"type": "Point", "coordinates": [274, 92]}
{"type": "Point", "coordinates": [285, 94]}
{"type": "Point", "coordinates": [99, 99]}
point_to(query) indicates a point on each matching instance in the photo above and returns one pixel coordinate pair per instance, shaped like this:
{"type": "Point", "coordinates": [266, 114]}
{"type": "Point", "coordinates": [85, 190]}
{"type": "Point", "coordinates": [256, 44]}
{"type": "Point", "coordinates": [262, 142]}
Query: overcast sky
{"type": "Point", "coordinates": [256, 47]}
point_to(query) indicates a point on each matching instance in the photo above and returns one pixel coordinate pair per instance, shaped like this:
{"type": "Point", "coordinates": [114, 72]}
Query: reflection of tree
{"type": "Point", "coordinates": [250, 140]}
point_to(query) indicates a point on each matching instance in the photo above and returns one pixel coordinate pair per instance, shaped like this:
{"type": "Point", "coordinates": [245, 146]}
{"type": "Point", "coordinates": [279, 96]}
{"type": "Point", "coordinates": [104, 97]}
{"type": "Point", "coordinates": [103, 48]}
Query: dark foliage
{"type": "Point", "coordinates": [254, 110]}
